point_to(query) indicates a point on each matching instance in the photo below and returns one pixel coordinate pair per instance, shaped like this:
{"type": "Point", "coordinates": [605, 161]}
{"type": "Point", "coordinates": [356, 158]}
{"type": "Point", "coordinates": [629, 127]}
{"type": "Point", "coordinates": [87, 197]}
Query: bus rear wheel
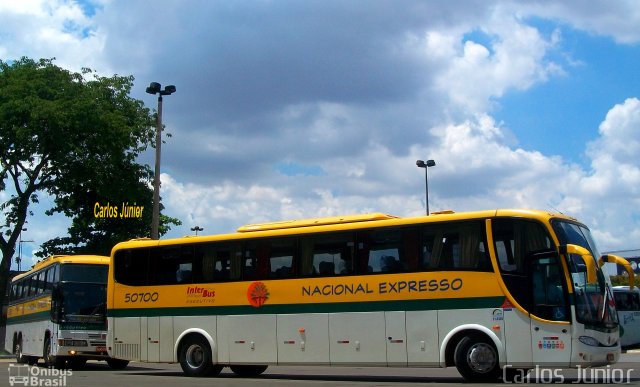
{"type": "Point", "coordinates": [20, 358]}
{"type": "Point", "coordinates": [476, 359]}
{"type": "Point", "coordinates": [248, 370]}
{"type": "Point", "coordinates": [195, 357]}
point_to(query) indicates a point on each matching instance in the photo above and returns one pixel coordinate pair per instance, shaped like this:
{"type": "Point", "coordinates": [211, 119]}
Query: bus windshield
{"type": "Point", "coordinates": [83, 303]}
{"type": "Point", "coordinates": [84, 273]}
{"type": "Point", "coordinates": [594, 302]}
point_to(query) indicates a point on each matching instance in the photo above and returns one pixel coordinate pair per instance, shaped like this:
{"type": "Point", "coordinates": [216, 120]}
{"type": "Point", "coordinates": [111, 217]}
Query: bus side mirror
{"type": "Point", "coordinates": [589, 262]}
{"type": "Point", "coordinates": [619, 261]}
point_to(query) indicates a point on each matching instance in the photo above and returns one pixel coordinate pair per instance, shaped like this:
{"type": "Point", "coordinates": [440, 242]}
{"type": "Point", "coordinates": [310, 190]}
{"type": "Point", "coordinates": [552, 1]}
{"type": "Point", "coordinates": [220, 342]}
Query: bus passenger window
{"type": "Point", "coordinates": [220, 261]}
{"type": "Point", "coordinates": [171, 265]}
{"type": "Point", "coordinates": [381, 251]}
{"type": "Point", "coordinates": [250, 263]}
{"type": "Point", "coordinates": [281, 254]}
{"type": "Point", "coordinates": [131, 267]}
{"type": "Point", "coordinates": [327, 254]}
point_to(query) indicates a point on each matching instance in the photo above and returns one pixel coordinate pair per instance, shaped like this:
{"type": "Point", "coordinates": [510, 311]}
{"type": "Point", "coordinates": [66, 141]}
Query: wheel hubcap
{"type": "Point", "coordinates": [194, 356]}
{"type": "Point", "coordinates": [481, 358]}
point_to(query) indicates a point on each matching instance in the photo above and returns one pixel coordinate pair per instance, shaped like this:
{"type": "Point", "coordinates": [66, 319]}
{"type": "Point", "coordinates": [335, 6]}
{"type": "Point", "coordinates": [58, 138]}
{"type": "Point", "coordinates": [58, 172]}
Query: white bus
{"type": "Point", "coordinates": [628, 307]}
{"type": "Point", "coordinates": [491, 293]}
{"type": "Point", "coordinates": [57, 312]}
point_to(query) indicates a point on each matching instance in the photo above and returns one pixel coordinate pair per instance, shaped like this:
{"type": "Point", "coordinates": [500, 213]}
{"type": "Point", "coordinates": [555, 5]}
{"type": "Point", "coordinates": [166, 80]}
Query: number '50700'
{"type": "Point", "coordinates": [141, 297]}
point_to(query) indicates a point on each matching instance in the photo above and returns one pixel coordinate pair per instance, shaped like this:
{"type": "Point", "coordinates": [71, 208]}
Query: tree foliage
{"type": "Point", "coordinates": [623, 280]}
{"type": "Point", "coordinates": [76, 137]}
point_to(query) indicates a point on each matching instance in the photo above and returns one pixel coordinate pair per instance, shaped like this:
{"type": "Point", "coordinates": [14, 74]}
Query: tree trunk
{"type": "Point", "coordinates": [5, 267]}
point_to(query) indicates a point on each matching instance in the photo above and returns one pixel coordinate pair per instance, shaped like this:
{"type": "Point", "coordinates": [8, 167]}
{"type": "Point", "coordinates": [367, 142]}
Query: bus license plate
{"type": "Point", "coordinates": [101, 349]}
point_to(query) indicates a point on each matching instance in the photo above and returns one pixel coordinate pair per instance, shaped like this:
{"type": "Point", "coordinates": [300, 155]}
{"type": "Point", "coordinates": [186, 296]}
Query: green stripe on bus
{"type": "Point", "coordinates": [338, 307]}
{"type": "Point", "coordinates": [33, 317]}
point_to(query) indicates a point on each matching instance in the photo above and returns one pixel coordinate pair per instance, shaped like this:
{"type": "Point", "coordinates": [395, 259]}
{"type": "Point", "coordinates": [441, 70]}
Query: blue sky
{"type": "Point", "coordinates": [294, 109]}
{"type": "Point", "coordinates": [560, 116]}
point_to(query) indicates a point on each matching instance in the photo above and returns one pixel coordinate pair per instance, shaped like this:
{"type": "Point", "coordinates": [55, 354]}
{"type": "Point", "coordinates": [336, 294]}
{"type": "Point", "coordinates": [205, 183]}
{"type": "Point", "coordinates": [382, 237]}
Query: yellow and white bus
{"type": "Point", "coordinates": [487, 292]}
{"type": "Point", "coordinates": [57, 312]}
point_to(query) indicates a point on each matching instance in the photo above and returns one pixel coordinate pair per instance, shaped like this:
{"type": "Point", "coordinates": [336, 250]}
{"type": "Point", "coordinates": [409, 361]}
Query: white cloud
{"type": "Point", "coordinates": [619, 18]}
{"type": "Point", "coordinates": [474, 74]}
{"type": "Point", "coordinates": [50, 28]}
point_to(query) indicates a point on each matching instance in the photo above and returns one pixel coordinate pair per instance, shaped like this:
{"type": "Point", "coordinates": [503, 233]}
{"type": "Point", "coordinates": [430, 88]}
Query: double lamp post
{"type": "Point", "coordinates": [426, 165]}
{"type": "Point", "coordinates": [155, 88]}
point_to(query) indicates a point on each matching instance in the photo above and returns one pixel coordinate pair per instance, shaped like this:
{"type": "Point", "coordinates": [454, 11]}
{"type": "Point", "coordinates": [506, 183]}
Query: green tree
{"type": "Point", "coordinates": [623, 280]}
{"type": "Point", "coordinates": [76, 137]}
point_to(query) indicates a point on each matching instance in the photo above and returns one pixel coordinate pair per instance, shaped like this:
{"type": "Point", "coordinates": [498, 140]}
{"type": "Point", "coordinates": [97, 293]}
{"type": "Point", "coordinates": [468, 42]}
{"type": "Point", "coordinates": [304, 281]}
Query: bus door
{"type": "Point", "coordinates": [151, 340]}
{"type": "Point", "coordinates": [550, 312]}
{"type": "Point", "coordinates": [158, 339]}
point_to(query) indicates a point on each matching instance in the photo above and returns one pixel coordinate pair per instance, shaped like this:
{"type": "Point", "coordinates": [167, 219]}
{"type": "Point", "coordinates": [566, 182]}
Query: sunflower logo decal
{"type": "Point", "coordinates": [257, 294]}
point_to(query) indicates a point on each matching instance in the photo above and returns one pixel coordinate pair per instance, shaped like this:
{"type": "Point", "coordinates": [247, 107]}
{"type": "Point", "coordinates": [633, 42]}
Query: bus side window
{"type": "Point", "coordinates": [327, 254]}
{"type": "Point", "coordinates": [380, 251]}
{"type": "Point", "coordinates": [41, 282]}
{"type": "Point", "coordinates": [411, 245]}
{"type": "Point", "coordinates": [548, 294]}
{"type": "Point", "coordinates": [13, 294]}
{"type": "Point", "coordinates": [170, 265]}
{"type": "Point", "coordinates": [27, 287]}
{"type": "Point", "coordinates": [459, 245]}
{"type": "Point", "coordinates": [131, 267]}
{"type": "Point", "coordinates": [250, 263]}
{"type": "Point", "coordinates": [281, 257]}
{"type": "Point", "coordinates": [515, 239]}
{"type": "Point", "coordinates": [18, 290]}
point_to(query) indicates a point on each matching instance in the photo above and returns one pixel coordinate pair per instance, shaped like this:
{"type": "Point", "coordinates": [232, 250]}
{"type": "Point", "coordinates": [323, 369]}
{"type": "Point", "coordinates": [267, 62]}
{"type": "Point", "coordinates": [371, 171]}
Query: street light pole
{"type": "Point", "coordinates": [196, 229]}
{"type": "Point", "coordinates": [154, 88]}
{"type": "Point", "coordinates": [426, 165]}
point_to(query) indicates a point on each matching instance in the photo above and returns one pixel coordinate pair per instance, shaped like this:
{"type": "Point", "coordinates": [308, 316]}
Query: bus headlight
{"type": "Point", "coordinates": [588, 340]}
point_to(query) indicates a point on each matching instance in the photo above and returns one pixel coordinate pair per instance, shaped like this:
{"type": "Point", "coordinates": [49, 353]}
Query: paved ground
{"type": "Point", "coordinates": [97, 374]}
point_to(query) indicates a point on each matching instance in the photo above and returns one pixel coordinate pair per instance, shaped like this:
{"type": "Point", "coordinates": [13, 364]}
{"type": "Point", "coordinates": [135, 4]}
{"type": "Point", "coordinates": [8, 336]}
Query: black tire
{"type": "Point", "coordinates": [76, 363]}
{"type": "Point", "coordinates": [476, 359]}
{"type": "Point", "coordinates": [117, 364]}
{"type": "Point", "coordinates": [47, 356]}
{"type": "Point", "coordinates": [20, 358]}
{"type": "Point", "coordinates": [195, 357]}
{"type": "Point", "coordinates": [50, 360]}
{"type": "Point", "coordinates": [32, 360]}
{"type": "Point", "coordinates": [248, 370]}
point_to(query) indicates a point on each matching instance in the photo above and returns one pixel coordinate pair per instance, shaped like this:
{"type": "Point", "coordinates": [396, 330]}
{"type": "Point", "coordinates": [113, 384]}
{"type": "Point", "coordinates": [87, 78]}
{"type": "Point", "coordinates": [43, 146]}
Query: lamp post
{"type": "Point", "coordinates": [426, 165]}
{"type": "Point", "coordinates": [20, 242]}
{"type": "Point", "coordinates": [196, 229]}
{"type": "Point", "coordinates": [154, 88]}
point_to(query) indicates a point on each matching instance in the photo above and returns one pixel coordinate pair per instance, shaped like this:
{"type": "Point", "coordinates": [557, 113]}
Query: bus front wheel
{"type": "Point", "coordinates": [195, 357]}
{"type": "Point", "coordinates": [248, 370]}
{"type": "Point", "coordinates": [49, 359]}
{"type": "Point", "coordinates": [476, 359]}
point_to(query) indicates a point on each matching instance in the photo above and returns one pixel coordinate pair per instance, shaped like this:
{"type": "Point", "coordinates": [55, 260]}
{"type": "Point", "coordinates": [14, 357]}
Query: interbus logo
{"type": "Point", "coordinates": [196, 291]}
{"type": "Point", "coordinates": [200, 295]}
{"type": "Point", "coordinates": [257, 294]}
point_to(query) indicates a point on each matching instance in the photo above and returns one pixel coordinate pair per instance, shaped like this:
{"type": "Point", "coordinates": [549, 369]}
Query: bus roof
{"type": "Point", "coordinates": [341, 223]}
{"type": "Point", "coordinates": [315, 222]}
{"type": "Point", "coordinates": [65, 259]}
